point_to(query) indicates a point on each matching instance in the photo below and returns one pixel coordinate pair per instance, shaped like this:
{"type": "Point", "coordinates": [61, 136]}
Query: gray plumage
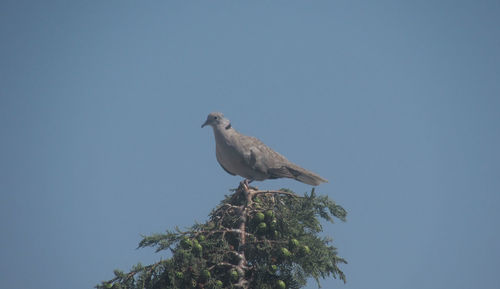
{"type": "Point", "coordinates": [248, 157]}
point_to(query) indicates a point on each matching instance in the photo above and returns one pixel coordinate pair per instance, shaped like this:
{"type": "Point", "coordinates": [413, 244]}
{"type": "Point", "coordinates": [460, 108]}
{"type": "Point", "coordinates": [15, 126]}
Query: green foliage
{"type": "Point", "coordinates": [253, 239]}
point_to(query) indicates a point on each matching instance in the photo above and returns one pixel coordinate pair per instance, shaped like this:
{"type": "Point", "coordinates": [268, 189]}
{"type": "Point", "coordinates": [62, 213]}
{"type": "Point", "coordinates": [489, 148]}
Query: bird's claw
{"type": "Point", "coordinates": [246, 184]}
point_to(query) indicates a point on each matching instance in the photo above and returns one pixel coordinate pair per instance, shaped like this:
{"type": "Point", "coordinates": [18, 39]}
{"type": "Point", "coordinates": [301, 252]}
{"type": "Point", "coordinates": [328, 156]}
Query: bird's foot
{"type": "Point", "coordinates": [246, 184]}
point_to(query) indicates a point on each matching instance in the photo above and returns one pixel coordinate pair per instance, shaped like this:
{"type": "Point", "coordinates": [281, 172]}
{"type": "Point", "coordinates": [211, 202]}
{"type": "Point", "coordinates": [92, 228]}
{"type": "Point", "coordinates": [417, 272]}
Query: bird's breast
{"type": "Point", "coordinates": [232, 159]}
{"type": "Point", "coordinates": [228, 157]}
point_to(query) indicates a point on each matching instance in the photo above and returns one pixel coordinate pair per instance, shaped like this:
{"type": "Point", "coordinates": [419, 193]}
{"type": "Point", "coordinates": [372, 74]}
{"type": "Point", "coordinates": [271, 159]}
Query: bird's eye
{"type": "Point", "coordinates": [215, 117]}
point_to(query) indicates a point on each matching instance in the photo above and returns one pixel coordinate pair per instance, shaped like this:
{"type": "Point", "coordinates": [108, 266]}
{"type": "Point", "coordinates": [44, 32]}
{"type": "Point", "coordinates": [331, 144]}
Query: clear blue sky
{"type": "Point", "coordinates": [397, 103]}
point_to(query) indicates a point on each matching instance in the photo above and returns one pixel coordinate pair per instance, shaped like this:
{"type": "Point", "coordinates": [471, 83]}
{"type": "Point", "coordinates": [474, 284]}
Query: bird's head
{"type": "Point", "coordinates": [217, 119]}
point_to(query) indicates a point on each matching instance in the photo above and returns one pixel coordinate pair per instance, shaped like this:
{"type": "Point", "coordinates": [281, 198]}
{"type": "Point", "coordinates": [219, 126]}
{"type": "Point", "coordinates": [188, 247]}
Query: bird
{"type": "Point", "coordinates": [248, 157]}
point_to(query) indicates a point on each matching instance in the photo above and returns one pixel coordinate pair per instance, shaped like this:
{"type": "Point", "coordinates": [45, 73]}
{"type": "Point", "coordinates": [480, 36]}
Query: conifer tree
{"type": "Point", "coordinates": [252, 239]}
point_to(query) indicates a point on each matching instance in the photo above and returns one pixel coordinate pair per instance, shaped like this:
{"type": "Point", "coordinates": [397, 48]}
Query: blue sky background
{"type": "Point", "coordinates": [397, 103]}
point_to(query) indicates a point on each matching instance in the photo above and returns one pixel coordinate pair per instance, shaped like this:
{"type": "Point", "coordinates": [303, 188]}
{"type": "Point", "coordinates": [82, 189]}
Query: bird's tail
{"type": "Point", "coordinates": [305, 176]}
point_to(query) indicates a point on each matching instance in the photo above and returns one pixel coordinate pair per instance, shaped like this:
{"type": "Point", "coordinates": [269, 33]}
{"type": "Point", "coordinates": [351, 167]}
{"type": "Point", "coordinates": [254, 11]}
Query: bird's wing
{"type": "Point", "coordinates": [259, 156]}
{"type": "Point", "coordinates": [274, 165]}
{"type": "Point", "coordinates": [267, 163]}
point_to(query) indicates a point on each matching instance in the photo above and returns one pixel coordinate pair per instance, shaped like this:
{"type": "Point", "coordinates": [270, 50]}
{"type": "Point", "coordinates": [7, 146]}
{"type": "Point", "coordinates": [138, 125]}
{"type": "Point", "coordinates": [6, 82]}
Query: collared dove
{"type": "Point", "coordinates": [248, 157]}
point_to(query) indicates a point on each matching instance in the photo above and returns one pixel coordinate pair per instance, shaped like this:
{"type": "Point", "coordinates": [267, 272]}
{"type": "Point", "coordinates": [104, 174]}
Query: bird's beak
{"type": "Point", "coordinates": [203, 125]}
